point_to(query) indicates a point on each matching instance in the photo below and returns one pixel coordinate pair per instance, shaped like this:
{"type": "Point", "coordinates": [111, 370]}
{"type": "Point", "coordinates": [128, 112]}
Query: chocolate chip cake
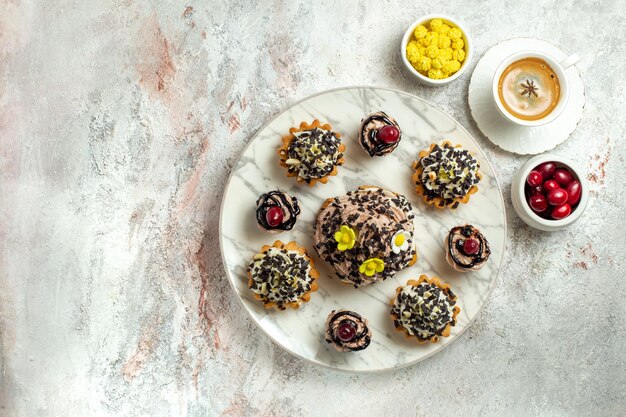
{"type": "Point", "coordinates": [424, 309]}
{"type": "Point", "coordinates": [282, 275]}
{"type": "Point", "coordinates": [312, 153]}
{"type": "Point", "coordinates": [366, 235]}
{"type": "Point", "coordinates": [446, 175]}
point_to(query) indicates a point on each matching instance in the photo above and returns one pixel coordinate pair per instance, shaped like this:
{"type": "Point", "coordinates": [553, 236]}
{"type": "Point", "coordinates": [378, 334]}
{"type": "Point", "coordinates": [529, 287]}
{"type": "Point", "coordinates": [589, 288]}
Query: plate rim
{"type": "Point", "coordinates": [241, 300]}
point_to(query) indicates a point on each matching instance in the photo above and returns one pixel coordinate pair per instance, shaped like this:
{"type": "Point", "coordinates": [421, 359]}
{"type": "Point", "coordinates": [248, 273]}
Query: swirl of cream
{"type": "Point", "coordinates": [347, 331]}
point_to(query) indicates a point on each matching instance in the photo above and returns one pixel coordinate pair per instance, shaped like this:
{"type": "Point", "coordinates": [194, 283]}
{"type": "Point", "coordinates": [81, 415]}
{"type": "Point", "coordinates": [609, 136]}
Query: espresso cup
{"type": "Point", "coordinates": [559, 71]}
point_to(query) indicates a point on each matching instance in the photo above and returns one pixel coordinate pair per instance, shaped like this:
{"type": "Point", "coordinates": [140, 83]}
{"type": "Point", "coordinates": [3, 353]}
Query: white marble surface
{"type": "Point", "coordinates": [119, 123]}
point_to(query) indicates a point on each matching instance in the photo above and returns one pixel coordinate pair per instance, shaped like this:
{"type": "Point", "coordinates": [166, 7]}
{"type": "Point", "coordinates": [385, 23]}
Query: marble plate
{"type": "Point", "coordinates": [508, 136]}
{"type": "Point", "coordinates": [300, 332]}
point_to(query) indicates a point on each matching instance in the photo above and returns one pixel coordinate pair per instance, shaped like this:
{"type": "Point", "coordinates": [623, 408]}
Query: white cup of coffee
{"type": "Point", "coordinates": [530, 88]}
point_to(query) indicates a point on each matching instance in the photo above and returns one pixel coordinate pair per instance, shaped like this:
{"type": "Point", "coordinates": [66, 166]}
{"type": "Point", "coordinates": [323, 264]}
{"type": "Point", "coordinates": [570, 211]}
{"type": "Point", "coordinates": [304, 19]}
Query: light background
{"type": "Point", "coordinates": [119, 123]}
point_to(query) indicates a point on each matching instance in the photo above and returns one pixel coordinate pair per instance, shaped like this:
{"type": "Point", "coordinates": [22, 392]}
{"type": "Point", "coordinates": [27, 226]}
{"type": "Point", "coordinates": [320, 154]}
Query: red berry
{"type": "Point", "coordinates": [561, 212]}
{"type": "Point", "coordinates": [547, 169]}
{"type": "Point", "coordinates": [470, 246]}
{"type": "Point", "coordinates": [346, 331]}
{"type": "Point", "coordinates": [563, 176]}
{"type": "Point", "coordinates": [388, 134]}
{"type": "Point", "coordinates": [538, 203]}
{"type": "Point", "coordinates": [274, 216]}
{"type": "Point", "coordinates": [537, 189]}
{"type": "Point", "coordinates": [550, 185]}
{"type": "Point", "coordinates": [534, 178]}
{"type": "Point", "coordinates": [557, 197]}
{"type": "Point", "coordinates": [574, 191]}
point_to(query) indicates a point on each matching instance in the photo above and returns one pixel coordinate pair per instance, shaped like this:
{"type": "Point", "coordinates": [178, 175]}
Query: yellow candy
{"type": "Point", "coordinates": [422, 64]}
{"type": "Point", "coordinates": [458, 44]}
{"type": "Point", "coordinates": [420, 32]}
{"type": "Point", "coordinates": [432, 51]}
{"type": "Point", "coordinates": [443, 29]}
{"type": "Point", "coordinates": [451, 66]}
{"type": "Point", "coordinates": [413, 51]}
{"type": "Point", "coordinates": [447, 53]}
{"type": "Point", "coordinates": [458, 55]}
{"type": "Point", "coordinates": [436, 49]}
{"type": "Point", "coordinates": [435, 74]}
{"type": "Point", "coordinates": [435, 24]}
{"type": "Point", "coordinates": [434, 40]}
{"type": "Point", "coordinates": [455, 33]}
{"type": "Point", "coordinates": [444, 41]}
{"type": "Point", "coordinates": [428, 38]}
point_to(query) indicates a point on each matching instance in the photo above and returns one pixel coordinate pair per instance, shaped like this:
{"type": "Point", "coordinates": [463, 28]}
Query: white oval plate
{"type": "Point", "coordinates": [301, 331]}
{"type": "Point", "coordinates": [508, 136]}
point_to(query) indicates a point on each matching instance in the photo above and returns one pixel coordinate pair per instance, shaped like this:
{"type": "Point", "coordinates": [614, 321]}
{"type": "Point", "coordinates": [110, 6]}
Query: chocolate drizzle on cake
{"type": "Point", "coordinates": [347, 331]}
{"type": "Point", "coordinates": [456, 251]}
{"type": "Point", "coordinates": [287, 203]}
{"type": "Point", "coordinates": [368, 136]}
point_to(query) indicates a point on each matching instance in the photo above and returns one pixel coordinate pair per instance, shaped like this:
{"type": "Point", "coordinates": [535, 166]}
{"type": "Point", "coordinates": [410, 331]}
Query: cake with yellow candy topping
{"type": "Point", "coordinates": [436, 49]}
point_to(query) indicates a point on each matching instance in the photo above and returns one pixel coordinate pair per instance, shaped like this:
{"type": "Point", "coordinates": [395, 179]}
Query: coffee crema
{"type": "Point", "coordinates": [529, 89]}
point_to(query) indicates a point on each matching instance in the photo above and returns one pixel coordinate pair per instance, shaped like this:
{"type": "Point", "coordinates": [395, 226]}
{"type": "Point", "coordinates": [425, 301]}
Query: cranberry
{"type": "Point", "coordinates": [274, 216]}
{"type": "Point", "coordinates": [346, 331]}
{"type": "Point", "coordinates": [561, 212]}
{"type": "Point", "coordinates": [388, 134]}
{"type": "Point", "coordinates": [550, 185]}
{"type": "Point", "coordinates": [557, 197]}
{"type": "Point", "coordinates": [534, 178]}
{"type": "Point", "coordinates": [563, 176]}
{"type": "Point", "coordinates": [547, 169]}
{"type": "Point", "coordinates": [470, 246]}
{"type": "Point", "coordinates": [538, 203]}
{"type": "Point", "coordinates": [537, 189]}
{"type": "Point", "coordinates": [574, 191]}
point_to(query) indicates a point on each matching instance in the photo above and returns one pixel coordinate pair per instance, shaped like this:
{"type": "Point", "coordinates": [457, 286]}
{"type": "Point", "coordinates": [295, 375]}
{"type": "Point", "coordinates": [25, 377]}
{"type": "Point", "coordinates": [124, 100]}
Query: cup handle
{"type": "Point", "coordinates": [570, 60]}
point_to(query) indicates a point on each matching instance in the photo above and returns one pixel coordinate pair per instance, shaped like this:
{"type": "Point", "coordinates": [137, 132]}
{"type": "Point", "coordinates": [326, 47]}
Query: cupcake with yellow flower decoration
{"type": "Point", "coordinates": [366, 235]}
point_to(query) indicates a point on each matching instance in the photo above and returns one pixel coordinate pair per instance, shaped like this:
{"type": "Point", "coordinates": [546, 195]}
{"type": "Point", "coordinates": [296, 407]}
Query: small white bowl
{"type": "Point", "coordinates": [469, 49]}
{"type": "Point", "coordinates": [521, 206]}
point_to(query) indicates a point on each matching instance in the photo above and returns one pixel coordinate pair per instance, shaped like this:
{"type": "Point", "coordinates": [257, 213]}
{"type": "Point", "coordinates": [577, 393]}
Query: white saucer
{"type": "Point", "coordinates": [506, 135]}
